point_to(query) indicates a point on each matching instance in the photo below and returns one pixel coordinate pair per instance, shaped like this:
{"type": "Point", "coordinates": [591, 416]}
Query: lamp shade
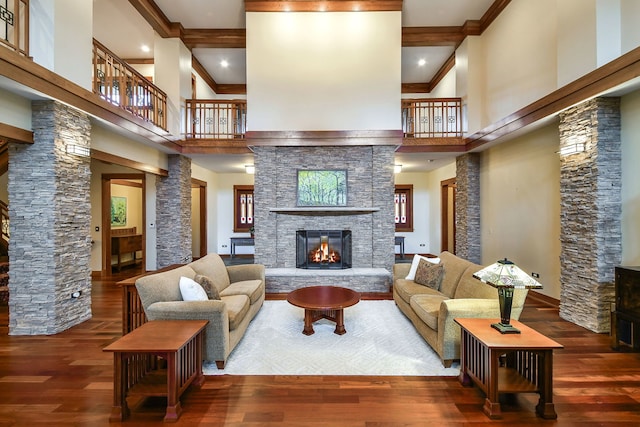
{"type": "Point", "coordinates": [506, 276]}
{"type": "Point", "coordinates": [505, 273]}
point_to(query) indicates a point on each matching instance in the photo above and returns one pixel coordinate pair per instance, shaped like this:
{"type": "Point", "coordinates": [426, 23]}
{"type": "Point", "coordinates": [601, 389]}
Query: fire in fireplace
{"type": "Point", "coordinates": [323, 249]}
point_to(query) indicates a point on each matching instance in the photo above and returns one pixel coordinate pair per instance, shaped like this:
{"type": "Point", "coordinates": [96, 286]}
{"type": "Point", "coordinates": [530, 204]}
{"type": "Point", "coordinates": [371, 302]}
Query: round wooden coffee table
{"type": "Point", "coordinates": [323, 302]}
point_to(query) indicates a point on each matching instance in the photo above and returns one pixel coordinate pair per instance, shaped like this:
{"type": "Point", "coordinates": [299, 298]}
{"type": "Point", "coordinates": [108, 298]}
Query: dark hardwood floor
{"type": "Point", "coordinates": [66, 379]}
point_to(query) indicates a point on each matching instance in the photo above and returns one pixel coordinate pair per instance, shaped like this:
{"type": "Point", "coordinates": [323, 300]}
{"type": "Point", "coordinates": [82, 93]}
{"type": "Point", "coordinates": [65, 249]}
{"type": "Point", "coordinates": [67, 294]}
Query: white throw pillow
{"type": "Point", "coordinates": [191, 290]}
{"type": "Point", "coordinates": [414, 265]}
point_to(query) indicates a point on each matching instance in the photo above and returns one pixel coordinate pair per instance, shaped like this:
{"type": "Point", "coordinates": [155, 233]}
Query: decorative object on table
{"type": "Point", "coordinates": [506, 276]}
{"type": "Point", "coordinates": [252, 231]}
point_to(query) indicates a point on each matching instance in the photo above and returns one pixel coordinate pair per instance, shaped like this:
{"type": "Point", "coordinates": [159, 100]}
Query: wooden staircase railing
{"type": "Point", "coordinates": [117, 82]}
{"type": "Point", "coordinates": [215, 119]}
{"type": "Point", "coordinates": [432, 118]}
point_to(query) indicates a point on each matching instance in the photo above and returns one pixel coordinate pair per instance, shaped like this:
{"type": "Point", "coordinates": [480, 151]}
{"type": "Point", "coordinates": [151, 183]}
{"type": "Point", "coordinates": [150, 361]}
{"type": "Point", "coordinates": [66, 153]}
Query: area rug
{"type": "Point", "coordinates": [380, 340]}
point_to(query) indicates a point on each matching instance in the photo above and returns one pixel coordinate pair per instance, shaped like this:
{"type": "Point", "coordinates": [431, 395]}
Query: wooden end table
{"type": "Point", "coordinates": [323, 302]}
{"type": "Point", "coordinates": [135, 362]}
{"type": "Point", "coordinates": [507, 363]}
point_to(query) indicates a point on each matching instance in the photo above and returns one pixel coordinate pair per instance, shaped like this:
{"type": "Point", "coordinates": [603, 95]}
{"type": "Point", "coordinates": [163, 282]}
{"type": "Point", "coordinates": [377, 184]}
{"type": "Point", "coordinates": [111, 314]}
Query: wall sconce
{"type": "Point", "coordinates": [397, 168]}
{"type": "Point", "coordinates": [78, 150]}
{"type": "Point", "coordinates": [250, 169]}
{"type": "Point", "coordinates": [570, 149]}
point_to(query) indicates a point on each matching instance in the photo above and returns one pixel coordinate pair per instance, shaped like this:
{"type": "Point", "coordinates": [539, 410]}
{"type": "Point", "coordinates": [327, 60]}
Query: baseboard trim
{"type": "Point", "coordinates": [543, 299]}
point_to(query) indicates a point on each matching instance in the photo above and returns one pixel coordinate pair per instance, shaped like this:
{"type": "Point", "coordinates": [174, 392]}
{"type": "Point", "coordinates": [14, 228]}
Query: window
{"type": "Point", "coordinates": [243, 204]}
{"type": "Point", "coordinates": [403, 203]}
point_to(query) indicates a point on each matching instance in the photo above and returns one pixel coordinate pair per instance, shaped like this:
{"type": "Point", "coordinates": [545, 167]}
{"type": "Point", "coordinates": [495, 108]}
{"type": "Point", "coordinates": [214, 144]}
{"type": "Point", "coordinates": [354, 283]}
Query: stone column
{"type": "Point", "coordinates": [382, 196]}
{"type": "Point", "coordinates": [468, 207]}
{"type": "Point", "coordinates": [265, 196]}
{"type": "Point", "coordinates": [173, 213]}
{"type": "Point", "coordinates": [50, 223]}
{"type": "Point", "coordinates": [590, 213]}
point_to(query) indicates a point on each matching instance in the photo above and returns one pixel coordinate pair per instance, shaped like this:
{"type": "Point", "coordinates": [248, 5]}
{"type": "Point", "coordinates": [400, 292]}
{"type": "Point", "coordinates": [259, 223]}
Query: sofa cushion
{"type": "Point", "coordinates": [429, 275]}
{"type": "Point", "coordinates": [213, 267]}
{"type": "Point", "coordinates": [191, 290]}
{"type": "Point", "coordinates": [208, 285]}
{"type": "Point", "coordinates": [253, 289]}
{"type": "Point", "coordinates": [414, 265]}
{"type": "Point", "coordinates": [162, 286]}
{"type": "Point", "coordinates": [237, 308]}
{"type": "Point", "coordinates": [427, 308]}
{"type": "Point", "coordinates": [408, 288]}
{"type": "Point", "coordinates": [470, 287]}
{"type": "Point", "coordinates": [453, 269]}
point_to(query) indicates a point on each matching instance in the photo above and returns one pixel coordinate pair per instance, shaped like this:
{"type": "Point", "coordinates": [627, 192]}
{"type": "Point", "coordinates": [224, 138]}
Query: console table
{"type": "Point", "coordinates": [135, 362]}
{"type": "Point", "coordinates": [241, 241]}
{"type": "Point", "coordinates": [399, 241]}
{"type": "Point", "coordinates": [507, 363]}
{"type": "Point", "coordinates": [125, 240]}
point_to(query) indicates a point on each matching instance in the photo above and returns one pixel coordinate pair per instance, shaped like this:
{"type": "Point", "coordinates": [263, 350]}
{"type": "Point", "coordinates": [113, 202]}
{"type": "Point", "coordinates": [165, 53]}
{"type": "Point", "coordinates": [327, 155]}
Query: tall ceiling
{"type": "Point", "coordinates": [118, 25]}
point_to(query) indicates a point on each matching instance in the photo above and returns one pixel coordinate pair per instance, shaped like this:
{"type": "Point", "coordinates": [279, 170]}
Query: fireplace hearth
{"type": "Point", "coordinates": [323, 249]}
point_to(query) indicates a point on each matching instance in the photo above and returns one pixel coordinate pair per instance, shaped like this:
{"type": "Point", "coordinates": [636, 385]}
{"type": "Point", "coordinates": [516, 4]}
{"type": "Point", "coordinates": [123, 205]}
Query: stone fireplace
{"type": "Point", "coordinates": [368, 213]}
{"type": "Point", "coordinates": [323, 249]}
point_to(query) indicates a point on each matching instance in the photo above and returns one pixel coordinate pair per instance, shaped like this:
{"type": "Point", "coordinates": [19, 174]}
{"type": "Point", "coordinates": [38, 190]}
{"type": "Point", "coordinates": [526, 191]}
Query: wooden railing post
{"type": "Point", "coordinates": [14, 25]}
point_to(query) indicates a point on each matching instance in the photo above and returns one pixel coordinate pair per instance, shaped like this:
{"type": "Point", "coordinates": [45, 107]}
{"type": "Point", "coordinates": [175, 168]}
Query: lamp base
{"type": "Point", "coordinates": [505, 329]}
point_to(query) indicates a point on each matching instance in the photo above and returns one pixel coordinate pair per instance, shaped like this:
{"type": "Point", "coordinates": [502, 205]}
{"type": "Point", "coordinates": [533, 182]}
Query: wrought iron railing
{"type": "Point", "coordinates": [215, 119]}
{"type": "Point", "coordinates": [14, 25]}
{"type": "Point", "coordinates": [117, 82]}
{"type": "Point", "coordinates": [432, 118]}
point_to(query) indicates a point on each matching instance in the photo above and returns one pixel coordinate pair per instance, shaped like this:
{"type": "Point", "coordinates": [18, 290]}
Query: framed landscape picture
{"type": "Point", "coordinates": [118, 211]}
{"type": "Point", "coordinates": [326, 187]}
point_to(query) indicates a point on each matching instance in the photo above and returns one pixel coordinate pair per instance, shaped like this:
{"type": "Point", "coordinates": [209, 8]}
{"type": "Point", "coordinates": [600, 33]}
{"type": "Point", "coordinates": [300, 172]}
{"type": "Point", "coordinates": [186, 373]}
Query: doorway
{"type": "Point", "coordinates": [448, 208]}
{"type": "Point", "coordinates": [198, 218]}
{"type": "Point", "coordinates": [123, 219]}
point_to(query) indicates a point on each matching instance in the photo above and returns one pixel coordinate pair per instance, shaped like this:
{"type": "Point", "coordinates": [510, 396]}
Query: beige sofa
{"type": "Point", "coordinates": [460, 295]}
{"type": "Point", "coordinates": [241, 289]}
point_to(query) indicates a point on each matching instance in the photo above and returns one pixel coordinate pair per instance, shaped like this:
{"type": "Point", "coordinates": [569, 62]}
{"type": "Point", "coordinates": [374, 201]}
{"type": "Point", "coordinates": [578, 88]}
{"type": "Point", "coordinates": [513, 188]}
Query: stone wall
{"type": "Point", "coordinates": [591, 210]}
{"type": "Point", "coordinates": [370, 185]}
{"type": "Point", "coordinates": [468, 207]}
{"type": "Point", "coordinates": [173, 213]}
{"type": "Point", "coordinates": [49, 207]}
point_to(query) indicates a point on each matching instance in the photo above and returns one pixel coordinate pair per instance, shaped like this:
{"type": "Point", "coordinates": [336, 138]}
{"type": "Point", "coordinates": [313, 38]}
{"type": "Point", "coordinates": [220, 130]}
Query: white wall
{"type": "Point", "coordinates": [629, 24]}
{"type": "Point", "coordinates": [434, 180]}
{"type": "Point", "coordinates": [15, 110]}
{"type": "Point", "coordinates": [226, 181]}
{"type": "Point", "coordinates": [116, 144]}
{"type": "Point", "coordinates": [520, 205]}
{"type": "Point", "coordinates": [630, 108]}
{"type": "Point", "coordinates": [324, 71]}
{"type": "Point", "coordinates": [212, 180]}
{"type": "Point", "coordinates": [418, 241]}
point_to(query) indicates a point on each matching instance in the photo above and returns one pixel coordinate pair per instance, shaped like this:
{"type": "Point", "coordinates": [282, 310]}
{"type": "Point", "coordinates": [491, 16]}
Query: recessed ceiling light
{"type": "Point", "coordinates": [224, 63]}
{"type": "Point", "coordinates": [145, 48]}
{"type": "Point", "coordinates": [422, 62]}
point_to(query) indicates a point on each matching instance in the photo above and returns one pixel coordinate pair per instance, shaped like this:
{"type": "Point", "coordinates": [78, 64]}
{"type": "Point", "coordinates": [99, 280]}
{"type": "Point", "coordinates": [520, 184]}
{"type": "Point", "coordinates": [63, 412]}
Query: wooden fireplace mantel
{"type": "Point", "coordinates": [324, 210]}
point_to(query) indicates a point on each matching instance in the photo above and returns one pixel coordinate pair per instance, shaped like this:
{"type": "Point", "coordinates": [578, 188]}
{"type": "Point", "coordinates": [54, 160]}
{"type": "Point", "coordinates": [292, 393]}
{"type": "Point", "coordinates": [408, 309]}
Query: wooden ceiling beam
{"type": "Point", "coordinates": [215, 38]}
{"type": "Point", "coordinates": [10, 133]}
{"type": "Point", "coordinates": [156, 18]}
{"type": "Point", "coordinates": [322, 5]}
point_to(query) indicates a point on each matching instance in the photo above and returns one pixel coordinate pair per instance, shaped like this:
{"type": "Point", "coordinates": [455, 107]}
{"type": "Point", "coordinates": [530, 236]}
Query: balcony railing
{"type": "Point", "coordinates": [117, 82]}
{"type": "Point", "coordinates": [215, 119]}
{"type": "Point", "coordinates": [14, 25]}
{"type": "Point", "coordinates": [421, 118]}
{"type": "Point", "coordinates": [432, 118]}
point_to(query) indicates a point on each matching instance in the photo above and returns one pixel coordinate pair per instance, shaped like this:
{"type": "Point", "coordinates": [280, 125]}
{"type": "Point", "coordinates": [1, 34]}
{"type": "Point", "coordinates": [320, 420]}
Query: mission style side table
{"type": "Point", "coordinates": [136, 367]}
{"type": "Point", "coordinates": [507, 363]}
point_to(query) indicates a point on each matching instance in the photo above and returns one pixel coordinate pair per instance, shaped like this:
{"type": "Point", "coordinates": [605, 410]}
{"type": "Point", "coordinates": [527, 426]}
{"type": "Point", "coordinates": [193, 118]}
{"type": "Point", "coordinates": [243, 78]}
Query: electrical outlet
{"type": "Point", "coordinates": [224, 246]}
{"type": "Point", "coordinates": [422, 245]}
{"type": "Point", "coordinates": [536, 275]}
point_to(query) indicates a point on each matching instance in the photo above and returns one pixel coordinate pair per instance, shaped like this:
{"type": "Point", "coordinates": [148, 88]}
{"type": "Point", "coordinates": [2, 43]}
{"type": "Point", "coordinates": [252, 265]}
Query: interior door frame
{"type": "Point", "coordinates": [202, 187]}
{"type": "Point", "coordinates": [106, 217]}
{"type": "Point", "coordinates": [444, 208]}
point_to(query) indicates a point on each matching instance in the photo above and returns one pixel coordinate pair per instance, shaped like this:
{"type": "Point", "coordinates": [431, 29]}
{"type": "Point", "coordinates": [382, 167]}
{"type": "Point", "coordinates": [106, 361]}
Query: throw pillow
{"type": "Point", "coordinates": [191, 290]}
{"type": "Point", "coordinates": [208, 286]}
{"type": "Point", "coordinates": [429, 275]}
{"type": "Point", "coordinates": [414, 265]}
